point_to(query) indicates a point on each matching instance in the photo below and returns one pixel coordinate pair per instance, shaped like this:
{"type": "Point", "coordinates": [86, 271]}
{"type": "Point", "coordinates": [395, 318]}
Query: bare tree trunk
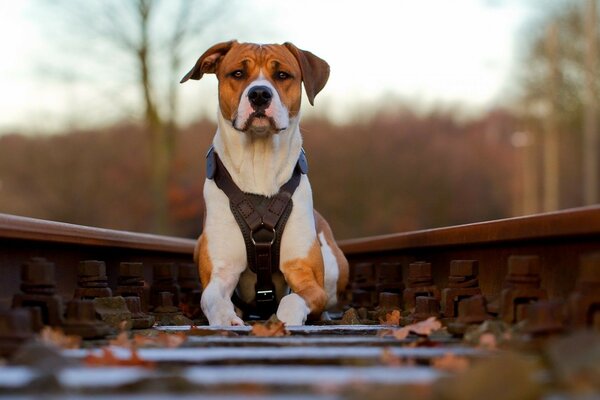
{"type": "Point", "coordinates": [530, 175]}
{"type": "Point", "coordinates": [590, 129]}
{"type": "Point", "coordinates": [160, 150]}
{"type": "Point", "coordinates": [551, 147]}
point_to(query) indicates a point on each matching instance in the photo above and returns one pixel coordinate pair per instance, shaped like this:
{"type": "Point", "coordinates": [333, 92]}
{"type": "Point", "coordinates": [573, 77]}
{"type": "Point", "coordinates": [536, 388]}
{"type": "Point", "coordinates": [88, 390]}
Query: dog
{"type": "Point", "coordinates": [258, 142]}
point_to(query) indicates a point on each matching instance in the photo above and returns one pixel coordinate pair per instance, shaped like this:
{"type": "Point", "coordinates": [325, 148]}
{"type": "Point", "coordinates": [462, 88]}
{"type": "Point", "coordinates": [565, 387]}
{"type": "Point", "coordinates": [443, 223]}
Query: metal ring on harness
{"type": "Point", "coordinates": [263, 227]}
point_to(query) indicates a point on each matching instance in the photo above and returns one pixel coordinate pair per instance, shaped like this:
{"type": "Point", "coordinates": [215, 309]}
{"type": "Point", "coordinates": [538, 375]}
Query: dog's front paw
{"type": "Point", "coordinates": [292, 310]}
{"type": "Point", "coordinates": [225, 319]}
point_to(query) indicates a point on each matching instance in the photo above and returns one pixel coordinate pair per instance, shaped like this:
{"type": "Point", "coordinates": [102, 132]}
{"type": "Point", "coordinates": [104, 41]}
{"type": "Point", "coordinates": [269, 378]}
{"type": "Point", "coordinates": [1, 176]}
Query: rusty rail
{"type": "Point", "coordinates": [66, 245]}
{"type": "Point", "coordinates": [559, 239]}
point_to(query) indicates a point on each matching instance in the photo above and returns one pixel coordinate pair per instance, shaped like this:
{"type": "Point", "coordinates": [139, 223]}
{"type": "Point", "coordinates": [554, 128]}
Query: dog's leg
{"type": "Point", "coordinates": [221, 256]}
{"type": "Point", "coordinates": [305, 278]}
{"type": "Point", "coordinates": [219, 280]}
{"type": "Point", "coordinates": [336, 264]}
{"type": "Point", "coordinates": [216, 299]}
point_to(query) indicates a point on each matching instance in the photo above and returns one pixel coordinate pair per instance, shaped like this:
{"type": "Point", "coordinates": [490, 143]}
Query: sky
{"type": "Point", "coordinates": [423, 52]}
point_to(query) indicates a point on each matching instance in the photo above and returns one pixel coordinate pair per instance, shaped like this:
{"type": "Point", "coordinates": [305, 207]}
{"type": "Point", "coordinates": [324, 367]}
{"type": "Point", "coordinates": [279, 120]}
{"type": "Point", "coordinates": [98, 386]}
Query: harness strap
{"type": "Point", "coordinates": [261, 221]}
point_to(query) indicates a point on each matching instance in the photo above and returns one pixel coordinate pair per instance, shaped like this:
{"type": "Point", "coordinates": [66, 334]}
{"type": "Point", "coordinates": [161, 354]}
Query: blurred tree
{"type": "Point", "coordinates": [559, 82]}
{"type": "Point", "coordinates": [152, 35]}
{"type": "Point", "coordinates": [591, 141]}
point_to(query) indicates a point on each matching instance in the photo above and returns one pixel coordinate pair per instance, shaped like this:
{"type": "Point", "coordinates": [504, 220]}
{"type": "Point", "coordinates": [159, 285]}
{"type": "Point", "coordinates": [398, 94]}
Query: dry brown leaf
{"type": "Point", "coordinates": [56, 337]}
{"type": "Point", "coordinates": [122, 340]}
{"type": "Point", "coordinates": [423, 328]}
{"type": "Point", "coordinates": [163, 339]}
{"type": "Point", "coordinates": [451, 363]}
{"type": "Point", "coordinates": [108, 359]}
{"type": "Point", "coordinates": [391, 319]}
{"type": "Point", "coordinates": [269, 329]}
{"type": "Point", "coordinates": [401, 333]}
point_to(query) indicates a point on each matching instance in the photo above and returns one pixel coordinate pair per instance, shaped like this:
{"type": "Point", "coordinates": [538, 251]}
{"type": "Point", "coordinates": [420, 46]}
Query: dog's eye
{"type": "Point", "coordinates": [237, 74]}
{"type": "Point", "coordinates": [282, 75]}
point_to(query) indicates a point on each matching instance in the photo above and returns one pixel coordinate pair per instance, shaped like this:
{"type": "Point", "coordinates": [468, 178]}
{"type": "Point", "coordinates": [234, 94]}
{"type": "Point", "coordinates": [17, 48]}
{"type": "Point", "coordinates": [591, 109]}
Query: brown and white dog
{"type": "Point", "coordinates": [258, 140]}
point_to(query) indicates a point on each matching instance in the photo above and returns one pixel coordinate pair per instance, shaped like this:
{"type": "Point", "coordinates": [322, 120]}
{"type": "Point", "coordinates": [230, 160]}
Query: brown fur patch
{"type": "Point", "coordinates": [203, 260]}
{"type": "Point", "coordinates": [305, 277]}
{"type": "Point", "coordinates": [342, 262]}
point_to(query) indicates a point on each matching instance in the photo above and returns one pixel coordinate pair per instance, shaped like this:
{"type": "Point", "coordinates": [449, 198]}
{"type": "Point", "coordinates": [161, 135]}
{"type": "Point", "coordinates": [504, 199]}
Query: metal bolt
{"type": "Point", "coordinates": [464, 268]}
{"type": "Point", "coordinates": [81, 320]}
{"type": "Point", "coordinates": [524, 265]}
{"type": "Point", "coordinates": [388, 272]}
{"type": "Point", "coordinates": [133, 304]}
{"type": "Point", "coordinates": [131, 269]}
{"type": "Point", "coordinates": [38, 273]}
{"type": "Point", "coordinates": [425, 307]}
{"type": "Point", "coordinates": [92, 268]}
{"type": "Point", "coordinates": [472, 310]}
{"type": "Point", "coordinates": [419, 270]}
{"type": "Point", "coordinates": [81, 310]}
{"type": "Point", "coordinates": [139, 319]}
{"type": "Point", "coordinates": [389, 300]}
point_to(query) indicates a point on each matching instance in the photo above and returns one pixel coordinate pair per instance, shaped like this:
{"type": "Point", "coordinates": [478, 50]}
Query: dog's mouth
{"type": "Point", "coordinates": [260, 123]}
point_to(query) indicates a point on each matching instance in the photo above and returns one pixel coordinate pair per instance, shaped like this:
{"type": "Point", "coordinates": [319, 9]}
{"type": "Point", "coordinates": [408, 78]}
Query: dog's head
{"type": "Point", "coordinates": [260, 85]}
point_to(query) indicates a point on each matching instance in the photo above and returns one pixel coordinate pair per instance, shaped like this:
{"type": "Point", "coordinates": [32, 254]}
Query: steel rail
{"type": "Point", "coordinates": [576, 222]}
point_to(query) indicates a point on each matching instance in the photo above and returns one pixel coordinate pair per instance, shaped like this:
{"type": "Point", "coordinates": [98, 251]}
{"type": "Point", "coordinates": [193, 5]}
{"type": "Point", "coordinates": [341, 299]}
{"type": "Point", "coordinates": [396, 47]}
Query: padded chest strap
{"type": "Point", "coordinates": [261, 220]}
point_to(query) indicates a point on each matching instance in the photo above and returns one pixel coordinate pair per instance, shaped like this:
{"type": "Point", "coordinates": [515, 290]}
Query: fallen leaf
{"type": "Point", "coordinates": [107, 358]}
{"type": "Point", "coordinates": [122, 340]}
{"type": "Point", "coordinates": [56, 337]}
{"type": "Point", "coordinates": [451, 363]}
{"type": "Point", "coordinates": [270, 328]}
{"type": "Point", "coordinates": [423, 328]}
{"type": "Point", "coordinates": [391, 319]}
{"type": "Point", "coordinates": [401, 333]}
{"type": "Point", "coordinates": [170, 340]}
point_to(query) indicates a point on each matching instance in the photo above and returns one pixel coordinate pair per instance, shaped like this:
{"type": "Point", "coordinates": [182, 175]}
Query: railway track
{"type": "Point", "coordinates": [501, 309]}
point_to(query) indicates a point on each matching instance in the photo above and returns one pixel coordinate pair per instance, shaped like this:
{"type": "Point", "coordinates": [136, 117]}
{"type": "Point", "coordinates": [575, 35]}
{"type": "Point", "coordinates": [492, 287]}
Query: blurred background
{"type": "Point", "coordinates": [436, 113]}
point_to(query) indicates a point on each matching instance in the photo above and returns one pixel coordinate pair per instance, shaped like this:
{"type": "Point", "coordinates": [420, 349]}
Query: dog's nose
{"type": "Point", "coordinates": [260, 96]}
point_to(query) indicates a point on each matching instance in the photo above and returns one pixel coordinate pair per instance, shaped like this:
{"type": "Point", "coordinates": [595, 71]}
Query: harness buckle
{"type": "Point", "coordinates": [265, 296]}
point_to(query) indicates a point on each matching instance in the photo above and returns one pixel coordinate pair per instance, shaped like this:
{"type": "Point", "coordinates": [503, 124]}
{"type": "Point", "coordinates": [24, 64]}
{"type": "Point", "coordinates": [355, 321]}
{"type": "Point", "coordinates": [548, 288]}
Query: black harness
{"type": "Point", "coordinates": [261, 220]}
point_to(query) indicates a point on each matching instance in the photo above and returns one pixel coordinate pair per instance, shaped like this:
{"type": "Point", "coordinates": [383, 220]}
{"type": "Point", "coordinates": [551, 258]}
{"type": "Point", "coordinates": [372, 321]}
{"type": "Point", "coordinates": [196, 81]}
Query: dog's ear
{"type": "Point", "coordinates": [315, 71]}
{"type": "Point", "coordinates": [207, 63]}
